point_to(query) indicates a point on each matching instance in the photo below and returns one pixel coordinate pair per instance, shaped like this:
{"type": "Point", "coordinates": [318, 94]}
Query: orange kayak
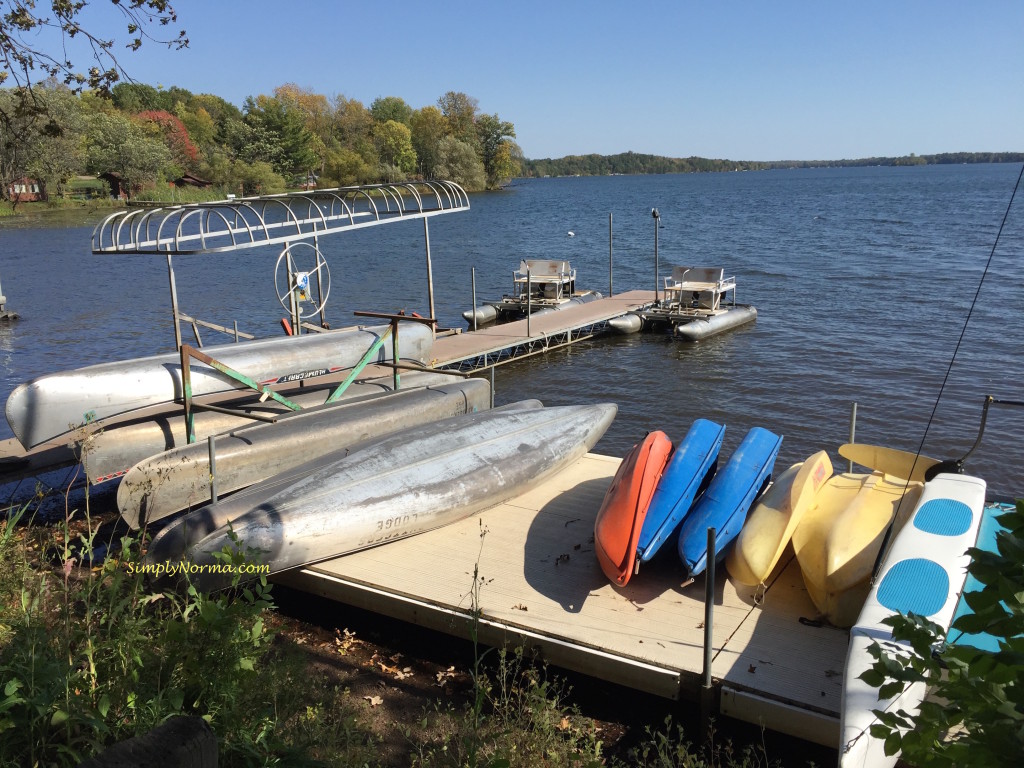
{"type": "Point", "coordinates": [622, 513]}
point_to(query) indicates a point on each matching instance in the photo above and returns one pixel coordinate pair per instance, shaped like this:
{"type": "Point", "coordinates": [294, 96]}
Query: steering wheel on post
{"type": "Point", "coordinates": [298, 284]}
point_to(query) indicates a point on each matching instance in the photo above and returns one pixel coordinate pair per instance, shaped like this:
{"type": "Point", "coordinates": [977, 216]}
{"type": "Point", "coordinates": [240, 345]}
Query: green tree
{"type": "Point", "coordinates": [117, 145]}
{"type": "Point", "coordinates": [459, 162]}
{"type": "Point", "coordinates": [494, 135]}
{"type": "Point", "coordinates": [45, 145]}
{"type": "Point", "coordinates": [346, 167]}
{"type": "Point", "coordinates": [257, 178]}
{"type": "Point", "coordinates": [283, 125]}
{"type": "Point", "coordinates": [22, 23]}
{"type": "Point", "coordinates": [460, 112]}
{"type": "Point", "coordinates": [394, 146]}
{"type": "Point", "coordinates": [54, 157]}
{"type": "Point", "coordinates": [386, 108]}
{"type": "Point", "coordinates": [428, 128]}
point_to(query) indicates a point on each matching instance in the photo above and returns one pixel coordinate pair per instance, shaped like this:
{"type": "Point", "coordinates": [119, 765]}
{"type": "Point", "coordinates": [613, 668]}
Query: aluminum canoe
{"type": "Point", "coordinates": [57, 404]}
{"type": "Point", "coordinates": [177, 479]}
{"type": "Point", "coordinates": [413, 481]}
{"type": "Point", "coordinates": [108, 454]}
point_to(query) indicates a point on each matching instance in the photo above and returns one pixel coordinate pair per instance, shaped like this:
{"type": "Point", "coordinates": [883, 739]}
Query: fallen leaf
{"type": "Point", "coordinates": [375, 701]}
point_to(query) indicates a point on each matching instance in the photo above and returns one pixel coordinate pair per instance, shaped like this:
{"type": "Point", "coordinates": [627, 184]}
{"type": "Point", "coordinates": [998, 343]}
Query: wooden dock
{"type": "Point", "coordinates": [540, 587]}
{"type": "Point", "coordinates": [497, 344]}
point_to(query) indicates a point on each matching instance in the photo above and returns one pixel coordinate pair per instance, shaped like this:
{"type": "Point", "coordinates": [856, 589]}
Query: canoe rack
{"type": "Point", "coordinates": [289, 221]}
{"type": "Point", "coordinates": [247, 222]}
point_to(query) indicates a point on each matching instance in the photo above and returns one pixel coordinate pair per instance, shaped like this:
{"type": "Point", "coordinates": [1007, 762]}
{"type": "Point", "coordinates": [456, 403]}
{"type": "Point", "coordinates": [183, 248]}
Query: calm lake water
{"type": "Point", "coordinates": [862, 278]}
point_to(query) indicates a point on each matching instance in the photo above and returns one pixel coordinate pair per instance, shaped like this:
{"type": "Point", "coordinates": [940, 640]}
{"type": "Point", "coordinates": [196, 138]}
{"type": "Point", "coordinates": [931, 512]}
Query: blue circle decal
{"type": "Point", "coordinates": [914, 585]}
{"type": "Point", "coordinates": [944, 517]}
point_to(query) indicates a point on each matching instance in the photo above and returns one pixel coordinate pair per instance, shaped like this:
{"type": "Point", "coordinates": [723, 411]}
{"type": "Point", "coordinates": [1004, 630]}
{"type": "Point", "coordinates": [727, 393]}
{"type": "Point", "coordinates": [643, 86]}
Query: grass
{"type": "Point", "coordinates": [90, 656]}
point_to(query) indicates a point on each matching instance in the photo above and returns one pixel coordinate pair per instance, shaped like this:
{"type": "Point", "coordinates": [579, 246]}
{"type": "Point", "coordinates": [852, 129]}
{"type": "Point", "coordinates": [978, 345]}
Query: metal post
{"type": "Point", "coordinates": [212, 443]}
{"type": "Point", "coordinates": [394, 353]}
{"type": "Point", "coordinates": [473, 272]}
{"type": "Point", "coordinates": [236, 331]}
{"type": "Point", "coordinates": [529, 300]}
{"type": "Point", "coordinates": [657, 217]}
{"type": "Point", "coordinates": [319, 282]}
{"type": "Point", "coordinates": [492, 386]}
{"type": "Point", "coordinates": [174, 303]}
{"type": "Point", "coordinates": [293, 304]}
{"type": "Point", "coordinates": [610, 294]}
{"type": "Point", "coordinates": [853, 427]}
{"type": "Point", "coordinates": [430, 274]}
{"type": "Point", "coordinates": [709, 608]}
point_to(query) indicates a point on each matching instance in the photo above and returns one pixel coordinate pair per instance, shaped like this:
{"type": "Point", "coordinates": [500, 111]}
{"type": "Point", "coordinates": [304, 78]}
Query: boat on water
{"type": "Point", "coordinates": [696, 305]}
{"type": "Point", "coordinates": [59, 404]}
{"type": "Point", "coordinates": [769, 527]}
{"type": "Point", "coordinates": [724, 505]}
{"type": "Point", "coordinates": [412, 481]}
{"type": "Point", "coordinates": [922, 573]}
{"type": "Point", "coordinates": [539, 286]}
{"type": "Point", "coordinates": [168, 482]}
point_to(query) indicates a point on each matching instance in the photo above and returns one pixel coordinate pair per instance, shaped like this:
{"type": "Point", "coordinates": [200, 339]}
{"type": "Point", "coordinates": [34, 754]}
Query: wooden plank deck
{"type": "Point", "coordinates": [540, 586]}
{"type": "Point", "coordinates": [546, 331]}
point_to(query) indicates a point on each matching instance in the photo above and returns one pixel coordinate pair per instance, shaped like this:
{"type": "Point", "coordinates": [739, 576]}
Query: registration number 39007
{"type": "Point", "coordinates": [392, 527]}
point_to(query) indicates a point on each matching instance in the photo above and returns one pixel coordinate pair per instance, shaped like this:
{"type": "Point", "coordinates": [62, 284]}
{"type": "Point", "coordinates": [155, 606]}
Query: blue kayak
{"type": "Point", "coordinates": [727, 500]}
{"type": "Point", "coordinates": [692, 464]}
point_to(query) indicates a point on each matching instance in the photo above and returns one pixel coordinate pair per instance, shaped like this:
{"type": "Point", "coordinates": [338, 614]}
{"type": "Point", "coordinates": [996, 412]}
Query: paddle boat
{"type": "Point", "coordinates": [696, 306]}
{"type": "Point", "coordinates": [724, 505]}
{"type": "Point", "coordinates": [539, 286]}
{"type": "Point", "coordinates": [839, 536]}
{"type": "Point", "coordinates": [922, 573]}
{"type": "Point", "coordinates": [412, 481]}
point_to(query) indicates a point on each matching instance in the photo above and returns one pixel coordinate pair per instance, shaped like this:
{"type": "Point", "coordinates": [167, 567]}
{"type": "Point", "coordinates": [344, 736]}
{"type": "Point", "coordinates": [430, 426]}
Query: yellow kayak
{"type": "Point", "coordinates": [770, 525]}
{"type": "Point", "coordinates": [838, 538]}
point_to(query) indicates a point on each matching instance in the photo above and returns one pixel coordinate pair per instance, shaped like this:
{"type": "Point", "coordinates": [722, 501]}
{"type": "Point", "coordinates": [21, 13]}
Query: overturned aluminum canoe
{"type": "Point", "coordinates": [413, 481]}
{"type": "Point", "coordinates": [174, 480]}
{"type": "Point", "coordinates": [54, 405]}
{"type": "Point", "coordinates": [184, 532]}
{"type": "Point", "coordinates": [109, 453]}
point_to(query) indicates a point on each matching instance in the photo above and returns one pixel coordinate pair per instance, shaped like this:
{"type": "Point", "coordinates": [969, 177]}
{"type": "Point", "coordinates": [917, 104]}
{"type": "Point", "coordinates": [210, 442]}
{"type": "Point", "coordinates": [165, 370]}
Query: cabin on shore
{"type": "Point", "coordinates": [26, 190]}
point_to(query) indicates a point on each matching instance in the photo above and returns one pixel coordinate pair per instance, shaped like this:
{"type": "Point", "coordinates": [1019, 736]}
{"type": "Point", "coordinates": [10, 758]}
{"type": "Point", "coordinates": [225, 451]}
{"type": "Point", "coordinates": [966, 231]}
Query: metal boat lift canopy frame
{"type": "Point", "coordinates": [250, 222]}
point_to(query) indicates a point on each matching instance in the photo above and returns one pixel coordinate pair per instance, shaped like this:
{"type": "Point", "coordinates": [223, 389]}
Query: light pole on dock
{"type": "Point", "coordinates": [657, 220]}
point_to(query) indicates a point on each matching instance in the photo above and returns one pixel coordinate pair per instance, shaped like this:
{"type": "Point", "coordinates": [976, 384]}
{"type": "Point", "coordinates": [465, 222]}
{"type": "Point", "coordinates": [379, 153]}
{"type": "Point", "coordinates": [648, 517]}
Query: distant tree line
{"type": "Point", "coordinates": [290, 138]}
{"type": "Point", "coordinates": [635, 163]}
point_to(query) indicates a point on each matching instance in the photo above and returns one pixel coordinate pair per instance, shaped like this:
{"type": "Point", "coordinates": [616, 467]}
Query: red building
{"type": "Point", "coordinates": [25, 190]}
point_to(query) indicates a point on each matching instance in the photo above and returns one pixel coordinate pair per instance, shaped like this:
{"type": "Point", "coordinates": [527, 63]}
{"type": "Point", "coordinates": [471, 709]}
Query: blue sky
{"type": "Point", "coordinates": [739, 80]}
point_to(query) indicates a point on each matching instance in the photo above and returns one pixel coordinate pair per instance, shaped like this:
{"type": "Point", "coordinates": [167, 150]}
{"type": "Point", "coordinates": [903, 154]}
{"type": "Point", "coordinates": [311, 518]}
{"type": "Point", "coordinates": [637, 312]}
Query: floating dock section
{"type": "Point", "coordinates": [498, 344]}
{"type": "Point", "coordinates": [541, 587]}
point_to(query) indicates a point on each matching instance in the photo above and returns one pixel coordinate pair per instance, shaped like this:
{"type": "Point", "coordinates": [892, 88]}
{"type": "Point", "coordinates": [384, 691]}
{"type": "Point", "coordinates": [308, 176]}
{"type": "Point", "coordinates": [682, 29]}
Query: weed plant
{"type": "Point", "coordinates": [92, 656]}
